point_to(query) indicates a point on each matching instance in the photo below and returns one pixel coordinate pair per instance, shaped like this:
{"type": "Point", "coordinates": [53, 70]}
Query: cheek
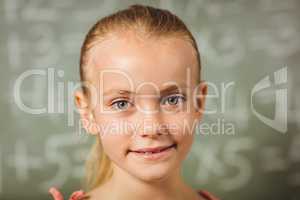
{"type": "Point", "coordinates": [184, 132]}
{"type": "Point", "coordinates": [115, 146]}
{"type": "Point", "coordinates": [114, 137]}
{"type": "Point", "coordinates": [184, 143]}
{"type": "Point", "coordinates": [185, 125]}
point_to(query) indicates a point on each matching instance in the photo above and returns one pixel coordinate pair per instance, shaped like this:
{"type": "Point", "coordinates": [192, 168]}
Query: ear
{"type": "Point", "coordinates": [200, 97]}
{"type": "Point", "coordinates": [86, 114]}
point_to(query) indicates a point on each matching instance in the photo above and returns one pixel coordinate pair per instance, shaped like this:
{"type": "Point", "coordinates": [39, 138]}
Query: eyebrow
{"type": "Point", "coordinates": [167, 90]}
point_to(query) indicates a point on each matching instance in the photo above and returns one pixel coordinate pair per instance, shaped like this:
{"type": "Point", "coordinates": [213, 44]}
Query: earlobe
{"type": "Point", "coordinates": [82, 106]}
{"type": "Point", "coordinates": [87, 119]}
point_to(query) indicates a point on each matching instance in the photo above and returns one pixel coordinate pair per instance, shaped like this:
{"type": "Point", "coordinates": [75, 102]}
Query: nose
{"type": "Point", "coordinates": [151, 121]}
{"type": "Point", "coordinates": [152, 126]}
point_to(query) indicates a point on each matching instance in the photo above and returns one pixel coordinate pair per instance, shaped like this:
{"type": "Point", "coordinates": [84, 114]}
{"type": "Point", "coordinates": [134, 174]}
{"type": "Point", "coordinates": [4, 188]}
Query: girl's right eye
{"type": "Point", "coordinates": [120, 104]}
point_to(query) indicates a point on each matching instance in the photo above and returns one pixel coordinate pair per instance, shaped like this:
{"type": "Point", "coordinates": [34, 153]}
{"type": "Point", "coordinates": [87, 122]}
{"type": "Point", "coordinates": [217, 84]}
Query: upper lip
{"type": "Point", "coordinates": [152, 149]}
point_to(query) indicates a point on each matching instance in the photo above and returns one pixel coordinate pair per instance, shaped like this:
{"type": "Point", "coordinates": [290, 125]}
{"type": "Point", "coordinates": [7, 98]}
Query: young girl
{"type": "Point", "coordinates": [140, 69]}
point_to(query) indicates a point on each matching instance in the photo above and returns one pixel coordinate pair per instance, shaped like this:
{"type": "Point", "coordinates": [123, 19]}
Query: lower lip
{"type": "Point", "coordinates": [155, 156]}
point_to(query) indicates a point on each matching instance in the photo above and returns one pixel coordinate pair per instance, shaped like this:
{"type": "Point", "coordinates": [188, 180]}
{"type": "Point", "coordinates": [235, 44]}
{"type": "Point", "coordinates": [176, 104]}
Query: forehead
{"type": "Point", "coordinates": [130, 63]}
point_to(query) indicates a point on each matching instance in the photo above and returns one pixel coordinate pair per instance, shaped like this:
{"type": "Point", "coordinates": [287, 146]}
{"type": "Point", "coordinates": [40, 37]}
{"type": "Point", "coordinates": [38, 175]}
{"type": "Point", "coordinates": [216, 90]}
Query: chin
{"type": "Point", "coordinates": [152, 176]}
{"type": "Point", "coordinates": [153, 173]}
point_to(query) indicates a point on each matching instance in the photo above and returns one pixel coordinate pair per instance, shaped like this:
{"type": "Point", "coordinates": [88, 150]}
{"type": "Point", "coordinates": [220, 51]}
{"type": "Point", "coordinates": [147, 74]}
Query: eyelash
{"type": "Point", "coordinates": [118, 101]}
{"type": "Point", "coordinates": [179, 96]}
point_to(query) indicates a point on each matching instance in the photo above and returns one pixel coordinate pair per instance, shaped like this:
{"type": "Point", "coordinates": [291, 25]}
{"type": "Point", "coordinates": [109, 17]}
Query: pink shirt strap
{"type": "Point", "coordinates": [207, 195]}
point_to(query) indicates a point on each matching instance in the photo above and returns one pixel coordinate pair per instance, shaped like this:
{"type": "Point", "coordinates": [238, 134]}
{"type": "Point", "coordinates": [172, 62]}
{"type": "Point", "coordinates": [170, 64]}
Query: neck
{"type": "Point", "coordinates": [130, 187]}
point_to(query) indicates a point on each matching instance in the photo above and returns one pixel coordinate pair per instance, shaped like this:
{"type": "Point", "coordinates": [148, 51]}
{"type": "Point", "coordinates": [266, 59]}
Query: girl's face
{"type": "Point", "coordinates": [145, 99]}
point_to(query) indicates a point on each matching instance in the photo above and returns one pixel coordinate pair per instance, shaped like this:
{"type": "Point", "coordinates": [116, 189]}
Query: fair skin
{"type": "Point", "coordinates": [151, 66]}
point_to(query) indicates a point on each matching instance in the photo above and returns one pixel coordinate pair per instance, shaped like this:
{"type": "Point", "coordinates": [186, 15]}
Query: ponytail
{"type": "Point", "coordinates": [97, 167]}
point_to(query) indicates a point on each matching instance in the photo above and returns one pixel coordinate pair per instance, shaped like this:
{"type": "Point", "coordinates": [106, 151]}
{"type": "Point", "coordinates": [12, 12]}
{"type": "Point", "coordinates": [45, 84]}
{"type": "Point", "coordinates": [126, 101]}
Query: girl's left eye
{"type": "Point", "coordinates": [173, 99]}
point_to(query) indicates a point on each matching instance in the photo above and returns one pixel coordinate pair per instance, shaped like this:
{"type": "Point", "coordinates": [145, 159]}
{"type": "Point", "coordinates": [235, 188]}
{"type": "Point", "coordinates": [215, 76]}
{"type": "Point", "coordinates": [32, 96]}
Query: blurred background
{"type": "Point", "coordinates": [248, 146]}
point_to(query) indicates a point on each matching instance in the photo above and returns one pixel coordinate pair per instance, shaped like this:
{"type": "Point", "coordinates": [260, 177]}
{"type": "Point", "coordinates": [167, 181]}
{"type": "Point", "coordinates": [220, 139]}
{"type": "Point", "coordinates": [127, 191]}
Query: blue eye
{"type": "Point", "coordinates": [174, 99]}
{"type": "Point", "coordinates": [120, 105]}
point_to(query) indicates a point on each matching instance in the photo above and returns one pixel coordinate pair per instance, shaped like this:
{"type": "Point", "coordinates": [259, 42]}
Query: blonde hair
{"type": "Point", "coordinates": [149, 21]}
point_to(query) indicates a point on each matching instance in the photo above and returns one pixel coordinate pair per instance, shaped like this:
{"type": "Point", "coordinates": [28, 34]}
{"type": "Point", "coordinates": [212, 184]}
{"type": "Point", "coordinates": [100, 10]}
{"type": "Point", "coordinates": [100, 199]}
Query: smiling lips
{"type": "Point", "coordinates": [153, 150]}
